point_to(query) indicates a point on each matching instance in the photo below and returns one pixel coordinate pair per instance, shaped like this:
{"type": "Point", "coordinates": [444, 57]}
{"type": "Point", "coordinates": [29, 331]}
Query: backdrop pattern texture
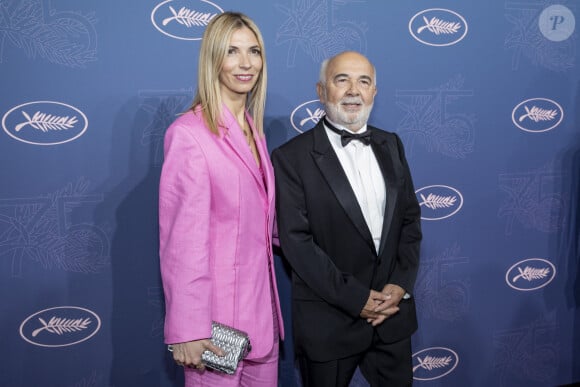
{"type": "Point", "coordinates": [485, 96]}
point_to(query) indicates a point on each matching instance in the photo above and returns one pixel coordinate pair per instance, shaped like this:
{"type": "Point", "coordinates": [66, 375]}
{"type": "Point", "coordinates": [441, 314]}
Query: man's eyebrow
{"type": "Point", "coordinates": [367, 77]}
{"type": "Point", "coordinates": [341, 75]}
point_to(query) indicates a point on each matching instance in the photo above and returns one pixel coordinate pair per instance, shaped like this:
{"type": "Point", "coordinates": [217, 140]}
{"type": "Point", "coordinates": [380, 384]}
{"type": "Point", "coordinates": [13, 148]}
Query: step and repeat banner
{"type": "Point", "coordinates": [485, 96]}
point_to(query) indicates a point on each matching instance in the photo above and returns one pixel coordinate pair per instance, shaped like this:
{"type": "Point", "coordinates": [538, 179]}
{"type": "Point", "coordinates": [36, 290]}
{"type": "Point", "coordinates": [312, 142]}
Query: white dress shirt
{"type": "Point", "coordinates": [364, 175]}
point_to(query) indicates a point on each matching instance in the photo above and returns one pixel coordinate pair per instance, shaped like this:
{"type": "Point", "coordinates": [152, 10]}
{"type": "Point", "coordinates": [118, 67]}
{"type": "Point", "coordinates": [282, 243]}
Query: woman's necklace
{"type": "Point", "coordinates": [247, 133]}
{"type": "Point", "coordinates": [250, 140]}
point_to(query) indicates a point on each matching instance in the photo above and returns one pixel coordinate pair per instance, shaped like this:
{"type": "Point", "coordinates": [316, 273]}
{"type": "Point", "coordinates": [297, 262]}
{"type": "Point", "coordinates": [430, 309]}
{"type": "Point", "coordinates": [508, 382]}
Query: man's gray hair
{"type": "Point", "coordinates": [322, 75]}
{"type": "Point", "coordinates": [324, 65]}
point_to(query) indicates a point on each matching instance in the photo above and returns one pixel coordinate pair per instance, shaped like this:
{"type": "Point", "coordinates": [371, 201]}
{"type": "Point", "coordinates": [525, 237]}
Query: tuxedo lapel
{"type": "Point", "coordinates": [329, 165]}
{"type": "Point", "coordinates": [383, 153]}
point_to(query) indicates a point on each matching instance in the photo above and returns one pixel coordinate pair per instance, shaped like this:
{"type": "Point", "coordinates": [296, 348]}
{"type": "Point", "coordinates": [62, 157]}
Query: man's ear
{"type": "Point", "coordinates": [321, 91]}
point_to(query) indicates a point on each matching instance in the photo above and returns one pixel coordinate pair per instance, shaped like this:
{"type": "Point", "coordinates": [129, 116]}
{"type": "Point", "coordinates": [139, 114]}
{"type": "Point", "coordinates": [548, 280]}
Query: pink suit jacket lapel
{"type": "Point", "coordinates": [234, 137]}
{"type": "Point", "coordinates": [266, 165]}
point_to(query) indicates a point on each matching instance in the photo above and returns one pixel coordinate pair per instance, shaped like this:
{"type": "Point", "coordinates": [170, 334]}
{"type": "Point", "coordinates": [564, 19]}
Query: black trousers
{"type": "Point", "coordinates": [382, 365]}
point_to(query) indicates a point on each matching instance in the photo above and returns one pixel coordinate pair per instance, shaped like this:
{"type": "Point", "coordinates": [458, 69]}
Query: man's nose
{"type": "Point", "coordinates": [353, 88]}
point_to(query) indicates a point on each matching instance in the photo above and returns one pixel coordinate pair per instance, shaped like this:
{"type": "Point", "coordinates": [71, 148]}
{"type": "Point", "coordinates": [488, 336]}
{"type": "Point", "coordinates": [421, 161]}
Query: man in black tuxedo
{"type": "Point", "coordinates": [349, 225]}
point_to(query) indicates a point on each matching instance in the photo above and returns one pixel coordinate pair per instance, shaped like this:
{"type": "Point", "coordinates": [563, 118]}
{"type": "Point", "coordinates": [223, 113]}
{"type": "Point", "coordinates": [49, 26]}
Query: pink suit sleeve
{"type": "Point", "coordinates": [184, 222]}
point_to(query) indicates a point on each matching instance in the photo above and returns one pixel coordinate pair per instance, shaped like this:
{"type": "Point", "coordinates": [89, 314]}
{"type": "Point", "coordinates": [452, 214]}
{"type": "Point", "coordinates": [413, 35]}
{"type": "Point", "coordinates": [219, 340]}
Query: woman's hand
{"type": "Point", "coordinates": [188, 354]}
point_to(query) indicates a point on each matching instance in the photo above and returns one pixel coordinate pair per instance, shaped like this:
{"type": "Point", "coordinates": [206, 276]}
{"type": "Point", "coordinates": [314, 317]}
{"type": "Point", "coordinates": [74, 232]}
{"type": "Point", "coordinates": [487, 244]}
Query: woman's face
{"type": "Point", "coordinates": [242, 64]}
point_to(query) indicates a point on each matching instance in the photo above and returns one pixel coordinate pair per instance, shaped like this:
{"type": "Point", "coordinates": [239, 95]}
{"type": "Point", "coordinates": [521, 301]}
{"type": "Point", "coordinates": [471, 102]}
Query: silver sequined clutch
{"type": "Point", "coordinates": [235, 344]}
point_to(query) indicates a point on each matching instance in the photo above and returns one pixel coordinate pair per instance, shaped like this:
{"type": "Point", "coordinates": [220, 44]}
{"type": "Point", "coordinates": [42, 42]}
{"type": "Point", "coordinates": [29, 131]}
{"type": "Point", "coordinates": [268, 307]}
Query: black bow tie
{"type": "Point", "coordinates": [346, 137]}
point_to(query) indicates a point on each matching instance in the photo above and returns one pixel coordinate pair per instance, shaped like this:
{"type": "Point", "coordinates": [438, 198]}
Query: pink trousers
{"type": "Point", "coordinates": [261, 372]}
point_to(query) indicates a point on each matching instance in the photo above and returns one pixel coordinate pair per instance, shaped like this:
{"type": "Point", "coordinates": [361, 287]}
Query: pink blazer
{"type": "Point", "coordinates": [216, 224]}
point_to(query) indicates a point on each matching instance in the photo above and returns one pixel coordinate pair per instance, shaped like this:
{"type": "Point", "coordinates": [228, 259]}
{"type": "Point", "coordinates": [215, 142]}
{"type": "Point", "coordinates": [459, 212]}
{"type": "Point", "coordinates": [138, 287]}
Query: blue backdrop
{"type": "Point", "coordinates": [485, 95]}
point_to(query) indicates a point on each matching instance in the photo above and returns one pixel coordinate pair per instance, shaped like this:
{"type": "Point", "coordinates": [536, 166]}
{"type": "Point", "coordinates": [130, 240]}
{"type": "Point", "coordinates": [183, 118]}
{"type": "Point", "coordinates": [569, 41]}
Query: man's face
{"type": "Point", "coordinates": [349, 91]}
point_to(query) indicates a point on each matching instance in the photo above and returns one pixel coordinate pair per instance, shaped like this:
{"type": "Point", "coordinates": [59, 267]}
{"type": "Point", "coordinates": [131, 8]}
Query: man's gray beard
{"type": "Point", "coordinates": [342, 118]}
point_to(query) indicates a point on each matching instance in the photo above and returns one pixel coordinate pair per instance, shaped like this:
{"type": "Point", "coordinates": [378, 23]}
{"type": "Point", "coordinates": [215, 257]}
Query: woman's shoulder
{"type": "Point", "coordinates": [189, 123]}
{"type": "Point", "coordinates": [189, 117]}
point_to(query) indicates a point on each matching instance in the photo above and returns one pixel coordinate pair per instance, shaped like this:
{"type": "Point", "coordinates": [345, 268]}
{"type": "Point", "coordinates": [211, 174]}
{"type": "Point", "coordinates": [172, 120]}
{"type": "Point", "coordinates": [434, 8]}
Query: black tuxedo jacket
{"type": "Point", "coordinates": [325, 239]}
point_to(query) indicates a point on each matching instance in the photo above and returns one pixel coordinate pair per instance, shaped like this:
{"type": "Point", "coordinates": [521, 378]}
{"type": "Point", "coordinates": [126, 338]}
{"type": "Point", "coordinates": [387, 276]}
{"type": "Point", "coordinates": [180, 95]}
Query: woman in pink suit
{"type": "Point", "coordinates": [216, 211]}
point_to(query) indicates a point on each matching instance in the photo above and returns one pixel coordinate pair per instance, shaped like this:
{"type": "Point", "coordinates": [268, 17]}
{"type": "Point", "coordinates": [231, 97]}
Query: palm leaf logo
{"type": "Point", "coordinates": [432, 362]}
{"type": "Point", "coordinates": [531, 273]}
{"type": "Point", "coordinates": [45, 122]}
{"type": "Point", "coordinates": [60, 326]}
{"type": "Point", "coordinates": [536, 114]}
{"type": "Point", "coordinates": [313, 116]}
{"type": "Point", "coordinates": [435, 202]}
{"type": "Point", "coordinates": [189, 18]}
{"type": "Point", "coordinates": [439, 27]}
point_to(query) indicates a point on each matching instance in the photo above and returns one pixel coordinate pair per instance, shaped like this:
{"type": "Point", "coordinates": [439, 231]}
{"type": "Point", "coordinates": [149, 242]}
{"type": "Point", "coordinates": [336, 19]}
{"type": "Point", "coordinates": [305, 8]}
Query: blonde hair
{"type": "Point", "coordinates": [214, 47]}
